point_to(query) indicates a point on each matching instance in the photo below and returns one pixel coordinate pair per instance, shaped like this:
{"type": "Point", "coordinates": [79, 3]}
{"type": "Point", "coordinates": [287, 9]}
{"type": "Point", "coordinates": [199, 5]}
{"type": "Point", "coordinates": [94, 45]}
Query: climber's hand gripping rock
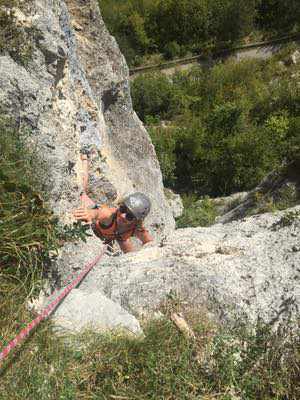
{"type": "Point", "coordinates": [85, 214]}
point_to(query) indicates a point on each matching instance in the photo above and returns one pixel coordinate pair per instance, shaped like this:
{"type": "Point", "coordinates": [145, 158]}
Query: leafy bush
{"type": "Point", "coordinates": [231, 20]}
{"type": "Point", "coordinates": [185, 21]}
{"type": "Point", "coordinates": [153, 95]}
{"type": "Point", "coordinates": [196, 212]}
{"type": "Point", "coordinates": [278, 16]}
{"type": "Point", "coordinates": [171, 50]}
{"type": "Point", "coordinates": [164, 141]}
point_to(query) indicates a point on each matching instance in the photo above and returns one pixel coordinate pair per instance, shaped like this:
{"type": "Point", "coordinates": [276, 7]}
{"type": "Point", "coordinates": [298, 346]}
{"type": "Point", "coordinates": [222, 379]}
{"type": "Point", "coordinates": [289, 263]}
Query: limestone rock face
{"type": "Point", "coordinates": [245, 269]}
{"type": "Point", "coordinates": [74, 95]}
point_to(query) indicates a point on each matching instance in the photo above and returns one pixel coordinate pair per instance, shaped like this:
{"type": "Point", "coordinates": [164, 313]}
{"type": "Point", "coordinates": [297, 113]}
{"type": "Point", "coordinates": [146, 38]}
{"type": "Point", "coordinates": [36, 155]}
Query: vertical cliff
{"type": "Point", "coordinates": [72, 94]}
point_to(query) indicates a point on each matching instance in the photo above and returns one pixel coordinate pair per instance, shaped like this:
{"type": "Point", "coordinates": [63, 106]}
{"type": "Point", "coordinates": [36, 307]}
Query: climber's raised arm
{"type": "Point", "coordinates": [114, 223]}
{"type": "Point", "coordinates": [144, 235]}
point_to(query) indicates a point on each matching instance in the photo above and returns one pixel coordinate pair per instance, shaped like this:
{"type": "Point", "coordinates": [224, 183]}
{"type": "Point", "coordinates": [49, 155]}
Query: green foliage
{"type": "Point", "coordinates": [292, 143]}
{"type": "Point", "coordinates": [126, 21]}
{"type": "Point", "coordinates": [278, 16]}
{"type": "Point", "coordinates": [185, 21]}
{"type": "Point", "coordinates": [231, 20]}
{"type": "Point", "coordinates": [25, 222]}
{"type": "Point", "coordinates": [287, 219]}
{"type": "Point", "coordinates": [29, 231]}
{"type": "Point", "coordinates": [231, 124]}
{"type": "Point", "coordinates": [154, 96]}
{"type": "Point", "coordinates": [172, 50]}
{"type": "Point", "coordinates": [164, 141]}
{"type": "Point", "coordinates": [196, 212]}
{"type": "Point", "coordinates": [173, 28]}
{"type": "Point", "coordinates": [14, 39]}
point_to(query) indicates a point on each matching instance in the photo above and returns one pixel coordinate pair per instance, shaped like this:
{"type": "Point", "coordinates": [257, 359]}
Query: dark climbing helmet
{"type": "Point", "coordinates": [139, 204]}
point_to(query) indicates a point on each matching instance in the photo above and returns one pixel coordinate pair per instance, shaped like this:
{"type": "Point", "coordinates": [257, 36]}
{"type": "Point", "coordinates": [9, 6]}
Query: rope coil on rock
{"type": "Point", "coordinates": [48, 310]}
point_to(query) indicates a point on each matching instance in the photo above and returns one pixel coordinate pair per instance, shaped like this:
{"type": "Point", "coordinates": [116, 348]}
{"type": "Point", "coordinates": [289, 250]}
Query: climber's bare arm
{"type": "Point", "coordinates": [89, 215]}
{"type": "Point", "coordinates": [143, 235]}
{"type": "Point", "coordinates": [85, 171]}
{"type": "Point", "coordinates": [126, 245]}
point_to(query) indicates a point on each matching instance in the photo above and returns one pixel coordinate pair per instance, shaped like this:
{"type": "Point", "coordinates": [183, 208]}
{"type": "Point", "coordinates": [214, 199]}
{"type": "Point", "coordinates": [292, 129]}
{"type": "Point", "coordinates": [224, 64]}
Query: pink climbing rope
{"type": "Point", "coordinates": [47, 311]}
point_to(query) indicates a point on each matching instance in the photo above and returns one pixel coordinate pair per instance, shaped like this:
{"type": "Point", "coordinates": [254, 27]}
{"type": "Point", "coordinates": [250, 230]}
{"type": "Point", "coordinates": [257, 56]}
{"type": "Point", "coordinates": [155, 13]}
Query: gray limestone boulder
{"type": "Point", "coordinates": [247, 269]}
{"type": "Point", "coordinates": [93, 311]}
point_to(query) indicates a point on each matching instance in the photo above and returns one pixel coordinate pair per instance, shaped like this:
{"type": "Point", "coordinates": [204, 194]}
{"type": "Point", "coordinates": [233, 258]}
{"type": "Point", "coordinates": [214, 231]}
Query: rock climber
{"type": "Point", "coordinates": [115, 223]}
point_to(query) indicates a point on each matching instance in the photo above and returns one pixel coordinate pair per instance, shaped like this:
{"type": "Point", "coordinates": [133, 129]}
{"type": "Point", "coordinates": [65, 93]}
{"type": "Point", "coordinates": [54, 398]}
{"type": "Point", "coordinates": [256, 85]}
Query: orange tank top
{"type": "Point", "coordinates": [110, 232]}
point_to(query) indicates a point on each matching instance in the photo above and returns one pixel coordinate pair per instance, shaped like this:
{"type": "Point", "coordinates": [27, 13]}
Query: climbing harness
{"type": "Point", "coordinates": [50, 307]}
{"type": "Point", "coordinates": [110, 233]}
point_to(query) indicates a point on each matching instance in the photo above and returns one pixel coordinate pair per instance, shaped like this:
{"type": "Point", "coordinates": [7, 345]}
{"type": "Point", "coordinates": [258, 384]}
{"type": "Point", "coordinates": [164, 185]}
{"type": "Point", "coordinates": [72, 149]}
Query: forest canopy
{"type": "Point", "coordinates": [221, 130]}
{"type": "Point", "coordinates": [176, 28]}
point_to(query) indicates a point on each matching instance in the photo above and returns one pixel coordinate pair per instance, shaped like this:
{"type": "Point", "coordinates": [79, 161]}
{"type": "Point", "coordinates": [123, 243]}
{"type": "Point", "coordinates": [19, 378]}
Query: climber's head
{"type": "Point", "coordinates": [136, 206]}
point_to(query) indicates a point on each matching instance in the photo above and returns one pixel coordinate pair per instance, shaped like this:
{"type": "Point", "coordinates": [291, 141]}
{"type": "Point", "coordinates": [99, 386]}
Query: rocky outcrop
{"type": "Point", "coordinates": [93, 311]}
{"type": "Point", "coordinates": [73, 95]}
{"type": "Point", "coordinates": [246, 270]}
{"type": "Point", "coordinates": [225, 204]}
{"type": "Point", "coordinates": [280, 189]}
{"type": "Point", "coordinates": [175, 202]}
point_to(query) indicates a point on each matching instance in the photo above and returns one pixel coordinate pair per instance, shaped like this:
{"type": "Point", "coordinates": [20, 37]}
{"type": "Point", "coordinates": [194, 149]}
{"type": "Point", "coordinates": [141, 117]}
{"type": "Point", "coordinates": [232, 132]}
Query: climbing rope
{"type": "Point", "coordinates": [50, 307]}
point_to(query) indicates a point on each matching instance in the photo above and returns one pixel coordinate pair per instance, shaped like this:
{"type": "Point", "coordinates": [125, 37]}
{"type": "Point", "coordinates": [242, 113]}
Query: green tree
{"type": "Point", "coordinates": [164, 141]}
{"type": "Point", "coordinates": [231, 19]}
{"type": "Point", "coordinates": [126, 21]}
{"type": "Point", "coordinates": [153, 95]}
{"type": "Point", "coordinates": [278, 15]}
{"type": "Point", "coordinates": [185, 21]}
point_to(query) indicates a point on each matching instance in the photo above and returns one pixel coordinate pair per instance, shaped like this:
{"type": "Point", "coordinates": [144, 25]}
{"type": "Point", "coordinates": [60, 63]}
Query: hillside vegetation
{"type": "Point", "coordinates": [177, 28]}
{"type": "Point", "coordinates": [221, 130]}
{"type": "Point", "coordinates": [224, 128]}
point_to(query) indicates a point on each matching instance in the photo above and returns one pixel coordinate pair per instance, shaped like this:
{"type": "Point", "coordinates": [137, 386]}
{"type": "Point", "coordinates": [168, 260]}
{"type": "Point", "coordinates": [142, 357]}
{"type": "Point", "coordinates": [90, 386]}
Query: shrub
{"type": "Point", "coordinates": [231, 20]}
{"type": "Point", "coordinates": [197, 212]}
{"type": "Point", "coordinates": [164, 141]}
{"type": "Point", "coordinates": [278, 16]}
{"type": "Point", "coordinates": [171, 50]}
{"type": "Point", "coordinates": [153, 95]}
